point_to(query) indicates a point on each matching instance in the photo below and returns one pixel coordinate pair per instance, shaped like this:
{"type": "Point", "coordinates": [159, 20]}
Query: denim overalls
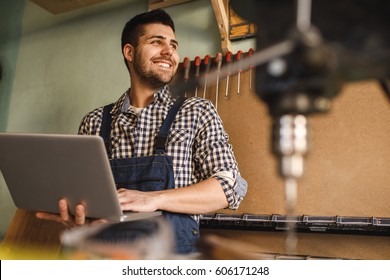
{"type": "Point", "coordinates": [152, 173]}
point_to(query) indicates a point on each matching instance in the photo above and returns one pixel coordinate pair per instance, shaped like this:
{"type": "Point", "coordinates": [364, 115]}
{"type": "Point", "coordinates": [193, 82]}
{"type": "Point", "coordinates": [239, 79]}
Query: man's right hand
{"type": "Point", "coordinates": [66, 218]}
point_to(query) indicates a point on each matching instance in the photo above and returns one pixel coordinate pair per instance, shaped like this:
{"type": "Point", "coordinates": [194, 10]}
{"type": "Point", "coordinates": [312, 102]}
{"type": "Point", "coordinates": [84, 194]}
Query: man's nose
{"type": "Point", "coordinates": [167, 49]}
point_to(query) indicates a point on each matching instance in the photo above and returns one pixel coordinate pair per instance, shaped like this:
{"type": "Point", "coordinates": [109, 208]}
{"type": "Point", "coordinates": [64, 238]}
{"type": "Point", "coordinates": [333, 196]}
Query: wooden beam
{"type": "Point", "coordinates": [223, 24]}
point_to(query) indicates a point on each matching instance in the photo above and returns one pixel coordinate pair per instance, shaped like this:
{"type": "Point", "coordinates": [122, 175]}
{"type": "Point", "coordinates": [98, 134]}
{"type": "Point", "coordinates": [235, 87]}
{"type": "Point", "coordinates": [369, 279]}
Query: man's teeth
{"type": "Point", "coordinates": [165, 65]}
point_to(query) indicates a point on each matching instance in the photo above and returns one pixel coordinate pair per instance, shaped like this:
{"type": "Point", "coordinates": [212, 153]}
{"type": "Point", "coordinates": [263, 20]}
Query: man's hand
{"type": "Point", "coordinates": [137, 201]}
{"type": "Point", "coordinates": [65, 218]}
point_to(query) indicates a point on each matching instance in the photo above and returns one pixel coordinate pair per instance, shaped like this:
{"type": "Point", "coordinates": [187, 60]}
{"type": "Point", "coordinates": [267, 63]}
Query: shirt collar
{"type": "Point", "coordinates": [122, 105]}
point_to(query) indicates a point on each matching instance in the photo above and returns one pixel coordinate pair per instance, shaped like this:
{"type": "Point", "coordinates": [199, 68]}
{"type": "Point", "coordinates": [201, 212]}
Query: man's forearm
{"type": "Point", "coordinates": [203, 197]}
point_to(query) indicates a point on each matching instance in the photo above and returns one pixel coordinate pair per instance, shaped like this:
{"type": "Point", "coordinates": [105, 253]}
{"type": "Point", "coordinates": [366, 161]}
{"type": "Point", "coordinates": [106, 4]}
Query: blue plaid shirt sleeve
{"type": "Point", "coordinates": [214, 155]}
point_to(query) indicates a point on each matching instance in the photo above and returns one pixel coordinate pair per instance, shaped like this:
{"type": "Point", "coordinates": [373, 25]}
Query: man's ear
{"type": "Point", "coordinates": [128, 52]}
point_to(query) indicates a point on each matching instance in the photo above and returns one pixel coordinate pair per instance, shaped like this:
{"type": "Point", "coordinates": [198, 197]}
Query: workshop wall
{"type": "Point", "coordinates": [11, 13]}
{"type": "Point", "coordinates": [70, 63]}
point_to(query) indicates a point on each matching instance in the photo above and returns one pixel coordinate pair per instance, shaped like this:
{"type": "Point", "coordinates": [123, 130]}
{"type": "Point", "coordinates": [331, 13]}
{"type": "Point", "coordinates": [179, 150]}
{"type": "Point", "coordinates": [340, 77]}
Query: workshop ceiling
{"type": "Point", "coordinates": [63, 6]}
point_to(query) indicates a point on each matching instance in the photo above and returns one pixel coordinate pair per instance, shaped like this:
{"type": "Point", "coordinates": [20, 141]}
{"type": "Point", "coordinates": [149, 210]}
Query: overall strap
{"type": "Point", "coordinates": [105, 129]}
{"type": "Point", "coordinates": [162, 137]}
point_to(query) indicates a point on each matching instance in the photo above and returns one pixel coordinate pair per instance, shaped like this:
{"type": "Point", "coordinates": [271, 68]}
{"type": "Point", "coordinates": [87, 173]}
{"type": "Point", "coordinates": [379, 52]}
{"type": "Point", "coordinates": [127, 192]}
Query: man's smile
{"type": "Point", "coordinates": [163, 63]}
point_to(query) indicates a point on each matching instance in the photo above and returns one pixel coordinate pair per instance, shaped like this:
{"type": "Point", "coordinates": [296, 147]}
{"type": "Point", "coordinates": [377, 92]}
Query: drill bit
{"type": "Point", "coordinates": [290, 189]}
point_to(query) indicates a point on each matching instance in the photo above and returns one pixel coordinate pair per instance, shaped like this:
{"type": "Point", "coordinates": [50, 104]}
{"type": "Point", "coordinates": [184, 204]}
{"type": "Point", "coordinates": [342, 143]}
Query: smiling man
{"type": "Point", "coordinates": [166, 153]}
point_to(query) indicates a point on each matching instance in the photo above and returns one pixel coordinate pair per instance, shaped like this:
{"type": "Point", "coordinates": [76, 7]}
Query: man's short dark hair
{"type": "Point", "coordinates": [134, 27]}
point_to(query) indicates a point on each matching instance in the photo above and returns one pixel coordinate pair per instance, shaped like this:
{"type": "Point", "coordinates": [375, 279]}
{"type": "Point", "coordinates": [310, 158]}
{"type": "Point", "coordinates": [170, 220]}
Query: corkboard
{"type": "Point", "coordinates": [346, 171]}
{"type": "Point", "coordinates": [347, 168]}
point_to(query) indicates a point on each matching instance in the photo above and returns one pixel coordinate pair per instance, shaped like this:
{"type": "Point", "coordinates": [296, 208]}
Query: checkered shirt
{"type": "Point", "coordinates": [197, 141]}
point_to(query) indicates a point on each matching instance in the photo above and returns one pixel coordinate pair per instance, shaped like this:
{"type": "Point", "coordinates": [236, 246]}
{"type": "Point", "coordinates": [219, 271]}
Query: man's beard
{"type": "Point", "coordinates": [149, 77]}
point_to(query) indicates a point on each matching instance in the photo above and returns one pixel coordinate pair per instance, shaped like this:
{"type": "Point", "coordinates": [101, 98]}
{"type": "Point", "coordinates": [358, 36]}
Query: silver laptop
{"type": "Point", "coordinates": [39, 169]}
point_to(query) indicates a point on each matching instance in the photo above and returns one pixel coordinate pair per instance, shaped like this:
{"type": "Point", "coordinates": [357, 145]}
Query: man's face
{"type": "Point", "coordinates": [155, 57]}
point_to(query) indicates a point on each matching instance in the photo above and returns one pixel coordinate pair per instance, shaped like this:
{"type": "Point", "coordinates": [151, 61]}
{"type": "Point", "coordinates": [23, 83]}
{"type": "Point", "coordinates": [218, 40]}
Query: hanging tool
{"type": "Point", "coordinates": [228, 60]}
{"type": "Point", "coordinates": [238, 58]}
{"type": "Point", "coordinates": [250, 53]}
{"type": "Point", "coordinates": [218, 62]}
{"type": "Point", "coordinates": [206, 64]}
{"type": "Point", "coordinates": [186, 66]}
{"type": "Point", "coordinates": [197, 69]}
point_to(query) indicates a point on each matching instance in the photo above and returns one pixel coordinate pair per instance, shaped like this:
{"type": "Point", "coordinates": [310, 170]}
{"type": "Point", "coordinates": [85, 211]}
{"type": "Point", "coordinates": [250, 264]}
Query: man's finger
{"type": "Point", "coordinates": [48, 216]}
{"type": "Point", "coordinates": [63, 208]}
{"type": "Point", "coordinates": [80, 215]}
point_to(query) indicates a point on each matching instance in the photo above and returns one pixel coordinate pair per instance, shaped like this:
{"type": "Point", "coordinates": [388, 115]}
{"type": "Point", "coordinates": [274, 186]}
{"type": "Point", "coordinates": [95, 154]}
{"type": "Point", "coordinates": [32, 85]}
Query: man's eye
{"type": "Point", "coordinates": [174, 46]}
{"type": "Point", "coordinates": [157, 42]}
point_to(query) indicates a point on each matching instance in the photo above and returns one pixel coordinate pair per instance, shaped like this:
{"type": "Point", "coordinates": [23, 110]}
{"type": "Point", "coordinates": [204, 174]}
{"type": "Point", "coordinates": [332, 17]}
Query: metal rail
{"type": "Point", "coordinates": [313, 224]}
